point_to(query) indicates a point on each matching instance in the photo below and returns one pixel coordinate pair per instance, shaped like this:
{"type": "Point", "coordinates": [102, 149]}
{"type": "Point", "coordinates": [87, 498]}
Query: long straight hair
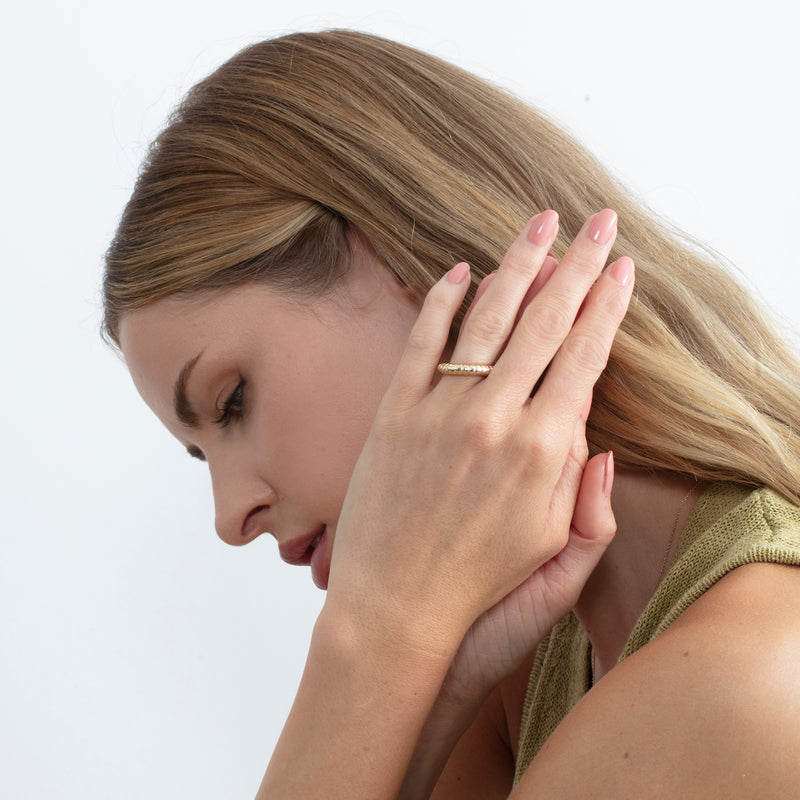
{"type": "Point", "coordinates": [269, 161]}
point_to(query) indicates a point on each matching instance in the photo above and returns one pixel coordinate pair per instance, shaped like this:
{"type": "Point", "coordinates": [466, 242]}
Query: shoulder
{"type": "Point", "coordinates": [737, 649]}
{"type": "Point", "coordinates": [711, 708]}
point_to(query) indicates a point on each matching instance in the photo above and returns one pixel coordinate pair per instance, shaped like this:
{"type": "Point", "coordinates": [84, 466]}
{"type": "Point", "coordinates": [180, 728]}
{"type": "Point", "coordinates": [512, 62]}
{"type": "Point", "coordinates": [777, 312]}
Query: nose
{"type": "Point", "coordinates": [243, 501]}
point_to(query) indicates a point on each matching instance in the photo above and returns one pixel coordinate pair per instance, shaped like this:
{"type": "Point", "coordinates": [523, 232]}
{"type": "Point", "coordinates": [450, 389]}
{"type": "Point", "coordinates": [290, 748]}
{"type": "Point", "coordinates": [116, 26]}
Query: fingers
{"type": "Point", "coordinates": [492, 316]}
{"type": "Point", "coordinates": [571, 474]}
{"type": "Point", "coordinates": [591, 531]}
{"type": "Point", "coordinates": [428, 338]}
{"type": "Point", "coordinates": [479, 292]}
{"type": "Point", "coordinates": [592, 519]}
{"type": "Point", "coordinates": [585, 351]}
{"type": "Point", "coordinates": [542, 299]}
{"type": "Point", "coordinates": [547, 322]}
{"type": "Point", "coordinates": [547, 269]}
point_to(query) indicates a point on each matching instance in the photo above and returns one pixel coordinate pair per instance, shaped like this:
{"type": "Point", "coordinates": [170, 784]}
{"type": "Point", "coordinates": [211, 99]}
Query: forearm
{"type": "Point", "coordinates": [361, 705]}
{"type": "Point", "coordinates": [443, 728]}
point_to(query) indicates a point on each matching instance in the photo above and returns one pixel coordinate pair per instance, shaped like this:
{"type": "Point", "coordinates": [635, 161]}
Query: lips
{"type": "Point", "coordinates": [299, 551]}
{"type": "Point", "coordinates": [314, 548]}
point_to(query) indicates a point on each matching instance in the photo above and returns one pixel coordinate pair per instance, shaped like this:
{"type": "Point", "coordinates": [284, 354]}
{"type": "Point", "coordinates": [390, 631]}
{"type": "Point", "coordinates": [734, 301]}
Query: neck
{"type": "Point", "coordinates": [651, 510]}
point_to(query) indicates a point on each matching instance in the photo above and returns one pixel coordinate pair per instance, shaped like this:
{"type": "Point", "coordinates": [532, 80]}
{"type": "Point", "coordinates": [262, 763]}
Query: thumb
{"type": "Point", "coordinates": [556, 586]}
{"type": "Point", "coordinates": [592, 530]}
{"type": "Point", "coordinates": [593, 523]}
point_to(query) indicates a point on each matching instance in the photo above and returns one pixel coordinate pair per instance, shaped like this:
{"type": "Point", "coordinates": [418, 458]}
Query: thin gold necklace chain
{"type": "Point", "coordinates": [664, 562]}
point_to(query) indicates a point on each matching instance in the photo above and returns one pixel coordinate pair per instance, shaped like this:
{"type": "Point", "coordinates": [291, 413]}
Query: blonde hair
{"type": "Point", "coordinates": [268, 161]}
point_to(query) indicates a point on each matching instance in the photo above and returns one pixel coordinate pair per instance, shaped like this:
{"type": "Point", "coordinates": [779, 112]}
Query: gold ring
{"type": "Point", "coordinates": [468, 370]}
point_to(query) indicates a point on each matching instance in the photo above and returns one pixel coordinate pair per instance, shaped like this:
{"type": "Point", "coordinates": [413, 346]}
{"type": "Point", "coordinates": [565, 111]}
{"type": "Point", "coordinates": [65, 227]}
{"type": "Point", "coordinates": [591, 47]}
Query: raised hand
{"type": "Point", "coordinates": [465, 488]}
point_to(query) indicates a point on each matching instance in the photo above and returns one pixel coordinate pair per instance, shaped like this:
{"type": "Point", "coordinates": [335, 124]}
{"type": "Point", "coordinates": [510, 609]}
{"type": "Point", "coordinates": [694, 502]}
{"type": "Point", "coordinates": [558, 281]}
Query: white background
{"type": "Point", "coordinates": [139, 656]}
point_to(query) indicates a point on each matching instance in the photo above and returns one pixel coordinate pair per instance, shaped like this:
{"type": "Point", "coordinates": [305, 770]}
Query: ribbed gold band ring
{"type": "Point", "coordinates": [467, 370]}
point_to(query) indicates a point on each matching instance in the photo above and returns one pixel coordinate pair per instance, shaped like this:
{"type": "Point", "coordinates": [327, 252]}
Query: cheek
{"type": "Point", "coordinates": [325, 407]}
{"type": "Point", "coordinates": [313, 427]}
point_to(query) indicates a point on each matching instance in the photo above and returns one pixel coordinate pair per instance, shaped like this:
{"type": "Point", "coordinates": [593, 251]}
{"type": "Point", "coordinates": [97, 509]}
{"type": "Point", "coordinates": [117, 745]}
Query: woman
{"type": "Point", "coordinates": [266, 285]}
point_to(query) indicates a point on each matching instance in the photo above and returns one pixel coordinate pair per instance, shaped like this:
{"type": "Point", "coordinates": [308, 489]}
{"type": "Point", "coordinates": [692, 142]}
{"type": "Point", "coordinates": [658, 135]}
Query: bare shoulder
{"type": "Point", "coordinates": [709, 709]}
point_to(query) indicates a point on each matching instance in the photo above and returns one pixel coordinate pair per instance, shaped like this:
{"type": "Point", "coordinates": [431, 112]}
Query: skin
{"type": "Point", "coordinates": [429, 561]}
{"type": "Point", "coordinates": [314, 371]}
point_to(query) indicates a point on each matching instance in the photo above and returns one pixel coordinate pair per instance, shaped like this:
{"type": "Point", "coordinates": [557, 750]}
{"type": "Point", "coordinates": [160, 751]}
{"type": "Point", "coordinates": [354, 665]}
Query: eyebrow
{"type": "Point", "coordinates": [183, 408]}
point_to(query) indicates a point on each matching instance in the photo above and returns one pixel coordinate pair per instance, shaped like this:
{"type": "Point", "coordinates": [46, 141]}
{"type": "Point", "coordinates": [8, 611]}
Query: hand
{"type": "Point", "coordinates": [499, 640]}
{"type": "Point", "coordinates": [465, 489]}
{"type": "Point", "coordinates": [502, 637]}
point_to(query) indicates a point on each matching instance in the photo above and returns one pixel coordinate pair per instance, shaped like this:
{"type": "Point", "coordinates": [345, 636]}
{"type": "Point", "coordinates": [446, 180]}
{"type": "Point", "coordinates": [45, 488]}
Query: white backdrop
{"type": "Point", "coordinates": [139, 656]}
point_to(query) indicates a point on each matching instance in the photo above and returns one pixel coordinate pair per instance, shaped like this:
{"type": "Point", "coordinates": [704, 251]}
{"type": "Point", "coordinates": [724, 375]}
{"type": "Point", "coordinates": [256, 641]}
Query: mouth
{"type": "Point", "coordinates": [314, 549]}
{"type": "Point", "coordinates": [300, 550]}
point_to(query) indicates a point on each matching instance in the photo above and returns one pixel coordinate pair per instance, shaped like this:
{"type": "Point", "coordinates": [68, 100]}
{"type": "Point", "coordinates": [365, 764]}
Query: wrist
{"type": "Point", "coordinates": [367, 686]}
{"type": "Point", "coordinates": [386, 630]}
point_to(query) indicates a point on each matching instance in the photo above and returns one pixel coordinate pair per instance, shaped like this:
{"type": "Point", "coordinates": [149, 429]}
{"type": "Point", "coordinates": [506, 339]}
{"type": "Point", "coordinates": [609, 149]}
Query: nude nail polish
{"type": "Point", "coordinates": [458, 273]}
{"type": "Point", "coordinates": [602, 226]}
{"type": "Point", "coordinates": [542, 228]}
{"type": "Point", "coordinates": [622, 270]}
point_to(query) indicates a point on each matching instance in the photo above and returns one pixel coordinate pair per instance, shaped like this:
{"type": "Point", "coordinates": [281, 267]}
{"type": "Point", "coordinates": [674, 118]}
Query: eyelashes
{"type": "Point", "coordinates": [232, 411]}
{"type": "Point", "coordinates": [233, 407]}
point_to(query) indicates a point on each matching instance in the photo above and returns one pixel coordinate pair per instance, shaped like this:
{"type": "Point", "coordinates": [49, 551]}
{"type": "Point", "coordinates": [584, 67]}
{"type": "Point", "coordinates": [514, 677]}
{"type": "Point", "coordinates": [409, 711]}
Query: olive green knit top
{"type": "Point", "coordinates": [729, 526]}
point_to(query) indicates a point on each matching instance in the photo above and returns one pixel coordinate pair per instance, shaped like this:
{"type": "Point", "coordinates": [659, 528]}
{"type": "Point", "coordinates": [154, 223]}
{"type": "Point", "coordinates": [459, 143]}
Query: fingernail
{"type": "Point", "coordinates": [542, 228]}
{"type": "Point", "coordinates": [602, 226]}
{"type": "Point", "coordinates": [608, 474]}
{"type": "Point", "coordinates": [622, 270]}
{"type": "Point", "coordinates": [458, 273]}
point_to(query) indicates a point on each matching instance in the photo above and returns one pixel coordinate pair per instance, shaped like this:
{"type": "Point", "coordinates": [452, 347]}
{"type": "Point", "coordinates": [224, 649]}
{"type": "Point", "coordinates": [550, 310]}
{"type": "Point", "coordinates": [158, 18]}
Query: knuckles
{"type": "Point", "coordinates": [489, 326]}
{"type": "Point", "coordinates": [419, 339]}
{"type": "Point", "coordinates": [548, 321]}
{"type": "Point", "coordinates": [585, 266]}
{"type": "Point", "coordinates": [537, 447]}
{"type": "Point", "coordinates": [518, 261]}
{"type": "Point", "coordinates": [584, 352]}
{"type": "Point", "coordinates": [617, 305]}
{"type": "Point", "coordinates": [483, 431]}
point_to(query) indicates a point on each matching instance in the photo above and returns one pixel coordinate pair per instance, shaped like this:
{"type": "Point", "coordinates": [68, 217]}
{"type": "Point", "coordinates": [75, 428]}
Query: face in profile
{"type": "Point", "coordinates": [277, 393]}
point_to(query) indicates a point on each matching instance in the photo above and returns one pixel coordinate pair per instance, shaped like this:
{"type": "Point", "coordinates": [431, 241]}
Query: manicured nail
{"type": "Point", "coordinates": [458, 273]}
{"type": "Point", "coordinates": [602, 226]}
{"type": "Point", "coordinates": [622, 270]}
{"type": "Point", "coordinates": [542, 228]}
{"type": "Point", "coordinates": [608, 474]}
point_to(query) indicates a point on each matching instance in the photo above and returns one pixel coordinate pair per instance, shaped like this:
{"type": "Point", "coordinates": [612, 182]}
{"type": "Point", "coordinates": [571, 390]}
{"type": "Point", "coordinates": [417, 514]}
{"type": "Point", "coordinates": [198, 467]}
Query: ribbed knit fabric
{"type": "Point", "coordinates": [728, 527]}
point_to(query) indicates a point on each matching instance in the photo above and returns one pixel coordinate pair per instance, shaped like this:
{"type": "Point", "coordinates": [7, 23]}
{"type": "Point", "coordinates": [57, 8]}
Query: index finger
{"type": "Point", "coordinates": [428, 338]}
